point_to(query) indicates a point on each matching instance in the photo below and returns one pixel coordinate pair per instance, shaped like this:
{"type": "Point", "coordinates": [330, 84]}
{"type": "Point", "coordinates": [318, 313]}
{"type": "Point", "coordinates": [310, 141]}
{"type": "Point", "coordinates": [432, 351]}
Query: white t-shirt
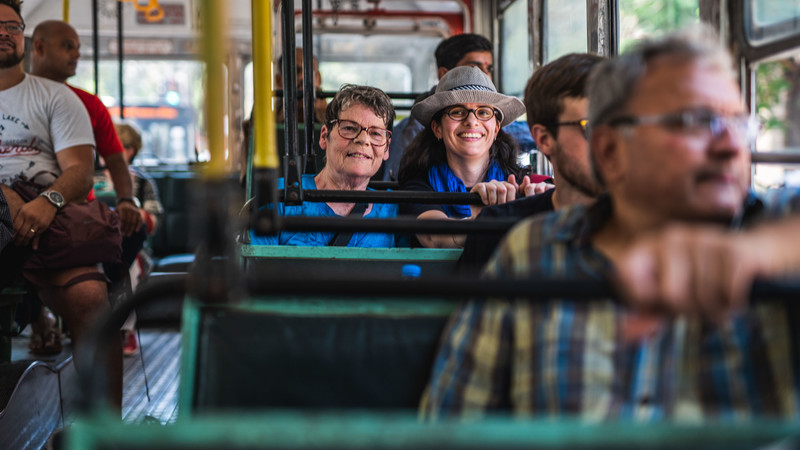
{"type": "Point", "coordinates": [38, 118]}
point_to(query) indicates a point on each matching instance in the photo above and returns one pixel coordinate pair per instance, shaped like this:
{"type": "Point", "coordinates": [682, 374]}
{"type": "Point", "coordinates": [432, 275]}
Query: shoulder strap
{"type": "Point", "coordinates": [341, 239]}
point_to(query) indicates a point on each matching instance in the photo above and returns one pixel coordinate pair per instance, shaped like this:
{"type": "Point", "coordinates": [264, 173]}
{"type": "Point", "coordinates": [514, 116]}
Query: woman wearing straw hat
{"type": "Point", "coordinates": [462, 149]}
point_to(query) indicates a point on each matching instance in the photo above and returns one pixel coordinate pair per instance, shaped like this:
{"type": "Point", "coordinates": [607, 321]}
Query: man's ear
{"type": "Point", "coordinates": [545, 141]}
{"type": "Point", "coordinates": [437, 129]}
{"type": "Point", "coordinates": [38, 46]}
{"type": "Point", "coordinates": [606, 147]}
{"type": "Point", "coordinates": [323, 137]}
{"type": "Point", "coordinates": [442, 70]}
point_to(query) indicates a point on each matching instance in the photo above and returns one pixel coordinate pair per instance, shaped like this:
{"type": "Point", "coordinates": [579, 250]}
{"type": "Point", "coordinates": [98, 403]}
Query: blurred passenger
{"type": "Point", "coordinates": [462, 149]}
{"type": "Point", "coordinates": [355, 138]}
{"type": "Point", "coordinates": [465, 49]}
{"type": "Point", "coordinates": [684, 240]}
{"type": "Point", "coordinates": [557, 110]}
{"type": "Point", "coordinates": [136, 259]}
{"type": "Point", "coordinates": [56, 50]}
{"type": "Point", "coordinates": [47, 135]}
{"type": "Point", "coordinates": [319, 103]}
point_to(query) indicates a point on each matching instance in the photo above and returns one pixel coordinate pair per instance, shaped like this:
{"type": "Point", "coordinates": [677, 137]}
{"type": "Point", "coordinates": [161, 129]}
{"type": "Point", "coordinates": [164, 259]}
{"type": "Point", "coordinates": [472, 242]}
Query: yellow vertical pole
{"type": "Point", "coordinates": [65, 10]}
{"type": "Point", "coordinates": [213, 43]}
{"type": "Point", "coordinates": [265, 152]}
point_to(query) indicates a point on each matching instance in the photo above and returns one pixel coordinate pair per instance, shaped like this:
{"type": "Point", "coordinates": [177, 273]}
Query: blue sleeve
{"type": "Point", "coordinates": [263, 240]}
{"type": "Point", "coordinates": [520, 132]}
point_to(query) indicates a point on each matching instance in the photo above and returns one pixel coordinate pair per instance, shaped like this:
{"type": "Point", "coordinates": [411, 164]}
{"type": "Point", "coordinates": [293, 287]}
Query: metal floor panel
{"type": "Point", "coordinates": [162, 353]}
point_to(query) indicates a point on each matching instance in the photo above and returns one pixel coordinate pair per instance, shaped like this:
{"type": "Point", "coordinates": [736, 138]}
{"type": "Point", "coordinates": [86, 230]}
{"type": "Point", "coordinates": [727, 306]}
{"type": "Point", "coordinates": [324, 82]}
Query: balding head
{"type": "Point", "coordinates": [55, 50]}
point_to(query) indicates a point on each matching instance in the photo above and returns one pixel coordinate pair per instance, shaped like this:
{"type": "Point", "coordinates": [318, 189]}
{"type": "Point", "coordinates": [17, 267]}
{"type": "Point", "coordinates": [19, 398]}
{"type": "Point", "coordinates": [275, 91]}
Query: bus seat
{"type": "Point", "coordinates": [288, 261]}
{"type": "Point", "coordinates": [309, 353]}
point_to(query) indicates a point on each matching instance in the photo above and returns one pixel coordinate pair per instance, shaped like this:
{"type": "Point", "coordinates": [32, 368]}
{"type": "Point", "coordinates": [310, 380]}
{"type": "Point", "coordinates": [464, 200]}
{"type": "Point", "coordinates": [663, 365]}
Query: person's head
{"type": "Point", "coordinates": [56, 50]}
{"type": "Point", "coordinates": [357, 131]}
{"type": "Point", "coordinates": [279, 78]}
{"type": "Point", "coordinates": [463, 120]}
{"type": "Point", "coordinates": [131, 140]}
{"type": "Point", "coordinates": [669, 131]}
{"type": "Point", "coordinates": [319, 104]}
{"type": "Point", "coordinates": [12, 39]}
{"type": "Point", "coordinates": [557, 109]}
{"type": "Point", "coordinates": [464, 50]}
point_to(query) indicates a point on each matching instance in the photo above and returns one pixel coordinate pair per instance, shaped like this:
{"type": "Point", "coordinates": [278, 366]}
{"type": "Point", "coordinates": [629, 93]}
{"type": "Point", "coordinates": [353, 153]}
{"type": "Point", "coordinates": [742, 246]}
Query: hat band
{"type": "Point", "coordinates": [472, 87]}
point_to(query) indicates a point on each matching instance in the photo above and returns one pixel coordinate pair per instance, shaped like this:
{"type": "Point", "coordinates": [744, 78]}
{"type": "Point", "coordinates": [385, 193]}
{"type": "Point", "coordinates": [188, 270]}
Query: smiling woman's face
{"type": "Point", "coordinates": [467, 138]}
{"type": "Point", "coordinates": [356, 157]}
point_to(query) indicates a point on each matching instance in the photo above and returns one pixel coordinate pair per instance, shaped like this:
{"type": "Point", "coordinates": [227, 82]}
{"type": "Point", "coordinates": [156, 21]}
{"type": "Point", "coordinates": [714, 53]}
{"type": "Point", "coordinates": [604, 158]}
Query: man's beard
{"type": "Point", "coordinates": [11, 60]}
{"type": "Point", "coordinates": [585, 183]}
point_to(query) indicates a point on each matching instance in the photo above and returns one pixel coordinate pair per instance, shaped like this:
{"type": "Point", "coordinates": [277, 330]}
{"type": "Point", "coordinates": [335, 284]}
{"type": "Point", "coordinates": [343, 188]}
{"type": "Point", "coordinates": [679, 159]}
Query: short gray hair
{"type": "Point", "coordinates": [371, 97]}
{"type": "Point", "coordinates": [612, 82]}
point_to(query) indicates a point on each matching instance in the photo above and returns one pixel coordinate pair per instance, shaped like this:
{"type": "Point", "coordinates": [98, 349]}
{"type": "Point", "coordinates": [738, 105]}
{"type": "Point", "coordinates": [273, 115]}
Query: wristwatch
{"type": "Point", "coordinates": [133, 200]}
{"type": "Point", "coordinates": [55, 198]}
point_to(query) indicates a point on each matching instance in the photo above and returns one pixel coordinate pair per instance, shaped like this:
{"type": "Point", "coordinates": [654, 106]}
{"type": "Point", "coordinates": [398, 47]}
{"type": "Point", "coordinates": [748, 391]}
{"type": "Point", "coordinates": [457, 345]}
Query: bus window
{"type": "Point", "coordinates": [778, 109]}
{"type": "Point", "coordinates": [514, 48]}
{"type": "Point", "coordinates": [641, 18]}
{"type": "Point", "coordinates": [771, 20]}
{"type": "Point", "coordinates": [565, 28]}
{"type": "Point", "coordinates": [163, 98]}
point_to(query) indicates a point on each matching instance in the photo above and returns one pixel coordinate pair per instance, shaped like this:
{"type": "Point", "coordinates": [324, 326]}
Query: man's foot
{"type": "Point", "coordinates": [130, 343]}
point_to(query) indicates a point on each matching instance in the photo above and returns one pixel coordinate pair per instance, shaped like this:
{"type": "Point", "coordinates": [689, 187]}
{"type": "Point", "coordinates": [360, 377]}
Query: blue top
{"type": "Point", "coordinates": [322, 238]}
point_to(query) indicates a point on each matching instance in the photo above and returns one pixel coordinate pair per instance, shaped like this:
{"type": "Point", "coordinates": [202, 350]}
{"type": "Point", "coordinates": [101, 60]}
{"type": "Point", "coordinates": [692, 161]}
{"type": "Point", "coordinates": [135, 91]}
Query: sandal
{"type": "Point", "coordinates": [48, 340]}
{"type": "Point", "coordinates": [46, 343]}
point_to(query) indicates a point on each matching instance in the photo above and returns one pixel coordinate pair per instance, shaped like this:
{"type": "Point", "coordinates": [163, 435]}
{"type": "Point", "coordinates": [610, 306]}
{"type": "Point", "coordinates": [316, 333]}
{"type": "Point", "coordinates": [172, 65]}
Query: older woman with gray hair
{"type": "Point", "coordinates": [462, 149]}
{"type": "Point", "coordinates": [355, 138]}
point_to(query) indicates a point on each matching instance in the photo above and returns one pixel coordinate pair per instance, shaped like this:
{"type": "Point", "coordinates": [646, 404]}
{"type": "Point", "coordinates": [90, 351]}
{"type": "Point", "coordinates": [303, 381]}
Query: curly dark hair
{"type": "Point", "coordinates": [426, 151]}
{"type": "Point", "coordinates": [16, 5]}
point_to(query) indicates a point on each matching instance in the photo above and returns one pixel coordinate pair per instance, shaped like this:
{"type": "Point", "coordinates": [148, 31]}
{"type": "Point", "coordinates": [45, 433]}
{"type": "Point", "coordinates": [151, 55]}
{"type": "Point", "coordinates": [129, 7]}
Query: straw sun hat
{"type": "Point", "coordinates": [466, 84]}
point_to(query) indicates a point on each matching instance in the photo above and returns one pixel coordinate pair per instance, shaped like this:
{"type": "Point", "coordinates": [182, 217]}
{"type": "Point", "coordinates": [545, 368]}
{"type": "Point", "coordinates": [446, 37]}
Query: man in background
{"type": "Point", "coordinates": [460, 50]}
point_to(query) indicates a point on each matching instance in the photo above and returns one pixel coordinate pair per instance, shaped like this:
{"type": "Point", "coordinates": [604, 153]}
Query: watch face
{"type": "Point", "coordinates": [56, 197]}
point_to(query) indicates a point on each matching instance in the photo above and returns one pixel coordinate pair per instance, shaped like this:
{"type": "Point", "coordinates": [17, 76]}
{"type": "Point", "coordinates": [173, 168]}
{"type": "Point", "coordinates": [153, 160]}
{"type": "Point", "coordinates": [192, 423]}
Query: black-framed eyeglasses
{"type": "Point", "coordinates": [350, 130]}
{"type": "Point", "coordinates": [697, 122]}
{"type": "Point", "coordinates": [583, 123]}
{"type": "Point", "coordinates": [13, 27]}
{"type": "Point", "coordinates": [482, 113]}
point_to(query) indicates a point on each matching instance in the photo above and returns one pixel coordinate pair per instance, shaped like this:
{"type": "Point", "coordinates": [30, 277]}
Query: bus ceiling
{"type": "Point", "coordinates": [442, 17]}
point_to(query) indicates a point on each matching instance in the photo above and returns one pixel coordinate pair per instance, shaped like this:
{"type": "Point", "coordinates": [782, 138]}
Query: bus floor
{"type": "Point", "coordinates": [160, 356]}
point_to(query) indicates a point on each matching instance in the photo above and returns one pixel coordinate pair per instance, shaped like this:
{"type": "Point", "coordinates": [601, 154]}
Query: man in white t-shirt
{"type": "Point", "coordinates": [45, 134]}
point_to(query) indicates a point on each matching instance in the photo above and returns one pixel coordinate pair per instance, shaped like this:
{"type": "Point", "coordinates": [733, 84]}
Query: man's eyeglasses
{"type": "Point", "coordinates": [697, 123]}
{"type": "Point", "coordinates": [350, 130]}
{"type": "Point", "coordinates": [13, 27]}
{"type": "Point", "coordinates": [583, 123]}
{"type": "Point", "coordinates": [482, 113]}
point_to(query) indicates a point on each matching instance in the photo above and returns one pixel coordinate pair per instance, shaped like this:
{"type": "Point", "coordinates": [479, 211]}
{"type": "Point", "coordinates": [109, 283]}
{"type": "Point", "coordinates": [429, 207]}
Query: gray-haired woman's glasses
{"type": "Point", "coordinates": [482, 113]}
{"type": "Point", "coordinates": [350, 130]}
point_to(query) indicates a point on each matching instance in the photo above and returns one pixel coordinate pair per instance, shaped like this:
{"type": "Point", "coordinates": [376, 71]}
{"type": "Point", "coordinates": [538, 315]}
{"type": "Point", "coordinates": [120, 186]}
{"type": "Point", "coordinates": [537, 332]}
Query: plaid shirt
{"type": "Point", "coordinates": [565, 358]}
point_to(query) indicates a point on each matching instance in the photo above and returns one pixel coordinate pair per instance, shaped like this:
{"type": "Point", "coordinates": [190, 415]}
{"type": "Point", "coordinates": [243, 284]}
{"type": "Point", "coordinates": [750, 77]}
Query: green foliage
{"type": "Point", "coordinates": [642, 18]}
{"type": "Point", "coordinates": [771, 86]}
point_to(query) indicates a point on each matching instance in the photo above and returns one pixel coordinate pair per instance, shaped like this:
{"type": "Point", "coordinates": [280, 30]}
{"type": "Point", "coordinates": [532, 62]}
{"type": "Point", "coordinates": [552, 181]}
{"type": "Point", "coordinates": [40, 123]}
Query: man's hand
{"type": "Point", "coordinates": [528, 188]}
{"type": "Point", "coordinates": [31, 220]}
{"type": "Point", "coordinates": [702, 270]}
{"type": "Point", "coordinates": [129, 217]}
